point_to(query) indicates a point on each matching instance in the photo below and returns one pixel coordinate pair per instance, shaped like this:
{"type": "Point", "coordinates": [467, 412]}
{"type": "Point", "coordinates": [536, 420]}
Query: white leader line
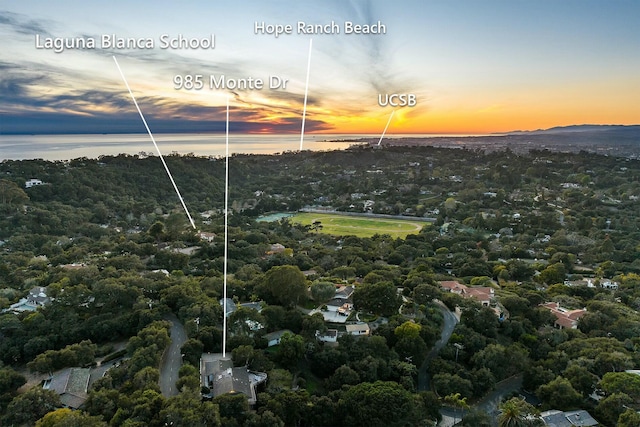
{"type": "Point", "coordinates": [385, 128]}
{"type": "Point", "coordinates": [226, 240]}
{"type": "Point", "coordinates": [306, 92]}
{"type": "Point", "coordinates": [154, 143]}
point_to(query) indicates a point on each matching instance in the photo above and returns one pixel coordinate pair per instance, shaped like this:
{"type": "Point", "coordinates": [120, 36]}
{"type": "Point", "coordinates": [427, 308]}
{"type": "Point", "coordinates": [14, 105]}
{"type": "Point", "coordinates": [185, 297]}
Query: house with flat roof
{"type": "Point", "coordinates": [555, 418]}
{"type": "Point", "coordinates": [32, 183]}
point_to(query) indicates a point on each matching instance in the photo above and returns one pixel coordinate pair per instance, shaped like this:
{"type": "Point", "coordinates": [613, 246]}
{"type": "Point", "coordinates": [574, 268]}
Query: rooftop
{"type": "Point", "coordinates": [71, 384]}
{"type": "Point", "coordinates": [219, 375]}
{"type": "Point", "coordinates": [555, 418]}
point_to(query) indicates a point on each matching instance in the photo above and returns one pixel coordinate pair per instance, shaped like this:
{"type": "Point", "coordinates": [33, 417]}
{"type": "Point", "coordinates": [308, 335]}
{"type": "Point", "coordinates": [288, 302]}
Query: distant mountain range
{"type": "Point", "coordinates": [589, 137]}
{"type": "Point", "coordinates": [626, 129]}
{"type": "Point", "coordinates": [616, 140]}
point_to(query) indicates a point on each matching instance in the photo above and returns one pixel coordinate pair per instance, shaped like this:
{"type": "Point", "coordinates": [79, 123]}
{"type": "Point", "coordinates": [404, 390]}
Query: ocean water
{"type": "Point", "coordinates": [65, 147]}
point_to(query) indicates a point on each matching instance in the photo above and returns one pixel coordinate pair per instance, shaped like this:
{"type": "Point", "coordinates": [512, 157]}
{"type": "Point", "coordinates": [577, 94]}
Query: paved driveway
{"type": "Point", "coordinates": [172, 358]}
{"type": "Point", "coordinates": [450, 322]}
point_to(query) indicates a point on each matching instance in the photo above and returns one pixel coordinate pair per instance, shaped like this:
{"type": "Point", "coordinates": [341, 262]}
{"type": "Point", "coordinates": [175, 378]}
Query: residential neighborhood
{"type": "Point", "coordinates": [474, 287]}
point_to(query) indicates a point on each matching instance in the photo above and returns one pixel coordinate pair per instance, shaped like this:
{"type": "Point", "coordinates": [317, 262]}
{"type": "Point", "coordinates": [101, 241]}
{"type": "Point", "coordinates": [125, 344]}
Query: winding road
{"type": "Point", "coordinates": [450, 322]}
{"type": "Point", "coordinates": [489, 403]}
{"type": "Point", "coordinates": [172, 358]}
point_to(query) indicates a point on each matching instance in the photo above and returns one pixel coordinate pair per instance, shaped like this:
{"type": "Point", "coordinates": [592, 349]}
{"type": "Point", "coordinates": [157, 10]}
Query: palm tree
{"type": "Point", "coordinates": [457, 402]}
{"type": "Point", "coordinates": [515, 412]}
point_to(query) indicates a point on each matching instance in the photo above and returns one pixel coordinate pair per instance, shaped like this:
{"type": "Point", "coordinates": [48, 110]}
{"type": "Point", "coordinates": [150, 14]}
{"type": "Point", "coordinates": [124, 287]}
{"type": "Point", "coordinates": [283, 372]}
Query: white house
{"type": "Point", "coordinates": [358, 329]}
{"type": "Point", "coordinates": [273, 338]}
{"type": "Point", "coordinates": [37, 297]}
{"type": "Point", "coordinates": [330, 335]}
{"type": "Point", "coordinates": [32, 183]}
{"type": "Point", "coordinates": [207, 237]}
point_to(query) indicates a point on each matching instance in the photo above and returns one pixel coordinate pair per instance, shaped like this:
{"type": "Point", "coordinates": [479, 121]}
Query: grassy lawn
{"type": "Point", "coordinates": [310, 304]}
{"type": "Point", "coordinates": [312, 383]}
{"type": "Point", "coordinates": [342, 225]}
{"type": "Point", "coordinates": [367, 317]}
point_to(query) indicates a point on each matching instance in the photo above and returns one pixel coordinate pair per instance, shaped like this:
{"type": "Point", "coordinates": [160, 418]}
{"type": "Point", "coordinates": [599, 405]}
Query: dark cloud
{"type": "Point", "coordinates": [108, 111]}
{"type": "Point", "coordinates": [6, 66]}
{"type": "Point", "coordinates": [70, 108]}
{"type": "Point", "coordinates": [57, 123]}
{"type": "Point", "coordinates": [15, 88]}
{"type": "Point", "coordinates": [21, 24]}
{"type": "Point", "coordinates": [17, 92]}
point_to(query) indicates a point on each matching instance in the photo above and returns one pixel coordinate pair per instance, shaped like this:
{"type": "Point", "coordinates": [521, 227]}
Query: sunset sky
{"type": "Point", "coordinates": [474, 66]}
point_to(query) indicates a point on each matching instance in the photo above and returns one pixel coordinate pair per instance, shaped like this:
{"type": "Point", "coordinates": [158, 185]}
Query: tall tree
{"type": "Point", "coordinates": [322, 291]}
{"type": "Point", "coordinates": [11, 195]}
{"type": "Point", "coordinates": [560, 394]}
{"type": "Point", "coordinates": [291, 350]}
{"type": "Point", "coordinates": [380, 298]}
{"type": "Point", "coordinates": [286, 284]}
{"type": "Point", "coordinates": [316, 226]}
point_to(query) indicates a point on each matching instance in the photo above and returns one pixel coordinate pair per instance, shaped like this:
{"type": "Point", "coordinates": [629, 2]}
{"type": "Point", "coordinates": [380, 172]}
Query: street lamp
{"type": "Point", "coordinates": [458, 348]}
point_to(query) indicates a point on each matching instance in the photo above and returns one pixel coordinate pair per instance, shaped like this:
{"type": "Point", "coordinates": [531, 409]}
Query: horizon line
{"type": "Point", "coordinates": [320, 133]}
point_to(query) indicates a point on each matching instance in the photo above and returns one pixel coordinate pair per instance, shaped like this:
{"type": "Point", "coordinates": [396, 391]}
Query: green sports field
{"type": "Point", "coordinates": [342, 225]}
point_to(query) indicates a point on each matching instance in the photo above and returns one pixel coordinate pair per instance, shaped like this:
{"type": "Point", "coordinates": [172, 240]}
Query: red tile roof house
{"type": "Point", "coordinates": [482, 294]}
{"type": "Point", "coordinates": [565, 318]}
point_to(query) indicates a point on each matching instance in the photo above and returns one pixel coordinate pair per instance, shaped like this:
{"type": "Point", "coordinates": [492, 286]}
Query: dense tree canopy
{"type": "Point", "coordinates": [116, 254]}
{"type": "Point", "coordinates": [380, 404]}
{"type": "Point", "coordinates": [379, 298]}
{"type": "Point", "coordinates": [286, 284]}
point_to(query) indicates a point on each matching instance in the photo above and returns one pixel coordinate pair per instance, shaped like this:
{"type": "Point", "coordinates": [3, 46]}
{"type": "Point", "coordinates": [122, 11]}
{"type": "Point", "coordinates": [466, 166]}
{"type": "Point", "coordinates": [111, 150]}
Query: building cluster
{"type": "Point", "coordinates": [37, 297]}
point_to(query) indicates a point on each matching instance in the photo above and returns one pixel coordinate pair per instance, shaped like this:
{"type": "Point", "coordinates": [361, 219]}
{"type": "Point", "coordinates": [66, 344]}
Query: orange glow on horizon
{"type": "Point", "coordinates": [476, 112]}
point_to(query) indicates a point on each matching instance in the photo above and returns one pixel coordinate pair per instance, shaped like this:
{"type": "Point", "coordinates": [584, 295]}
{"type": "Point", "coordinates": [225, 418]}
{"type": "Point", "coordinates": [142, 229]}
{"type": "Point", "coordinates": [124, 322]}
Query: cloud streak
{"type": "Point", "coordinates": [79, 108]}
{"type": "Point", "coordinates": [569, 65]}
{"type": "Point", "coordinates": [21, 24]}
